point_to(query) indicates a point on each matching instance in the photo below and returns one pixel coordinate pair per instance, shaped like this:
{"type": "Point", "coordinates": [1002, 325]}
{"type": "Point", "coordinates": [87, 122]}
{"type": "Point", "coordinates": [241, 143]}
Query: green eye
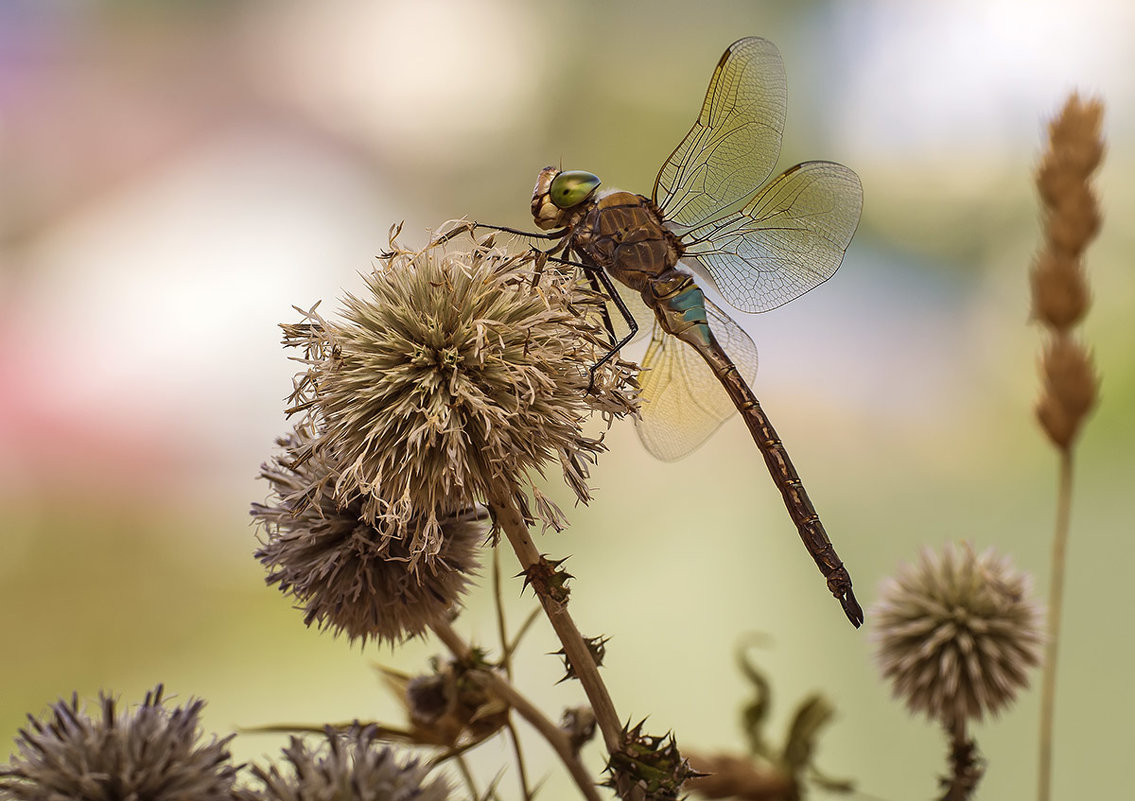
{"type": "Point", "coordinates": [571, 188]}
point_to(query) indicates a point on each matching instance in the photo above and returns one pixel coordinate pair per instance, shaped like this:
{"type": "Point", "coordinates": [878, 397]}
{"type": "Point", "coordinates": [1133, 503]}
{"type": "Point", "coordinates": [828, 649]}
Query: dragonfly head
{"type": "Point", "coordinates": [557, 193]}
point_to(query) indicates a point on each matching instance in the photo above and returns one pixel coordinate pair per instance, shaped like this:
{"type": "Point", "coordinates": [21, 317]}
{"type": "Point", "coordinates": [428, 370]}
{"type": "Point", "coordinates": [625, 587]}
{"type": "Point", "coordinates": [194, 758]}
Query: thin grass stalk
{"type": "Point", "coordinates": [1055, 613]}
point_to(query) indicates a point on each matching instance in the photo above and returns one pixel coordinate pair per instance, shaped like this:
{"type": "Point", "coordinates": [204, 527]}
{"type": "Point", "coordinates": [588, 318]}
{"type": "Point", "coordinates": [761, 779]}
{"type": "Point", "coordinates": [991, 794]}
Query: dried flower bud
{"type": "Point", "coordinates": [957, 633]}
{"type": "Point", "coordinates": [351, 576]}
{"type": "Point", "coordinates": [1070, 390]}
{"type": "Point", "coordinates": [154, 753]}
{"type": "Point", "coordinates": [354, 766]}
{"type": "Point", "coordinates": [1074, 222]}
{"type": "Point", "coordinates": [647, 767]}
{"type": "Point", "coordinates": [1076, 143]}
{"type": "Point", "coordinates": [578, 722]}
{"type": "Point", "coordinates": [1060, 293]}
{"type": "Point", "coordinates": [456, 374]}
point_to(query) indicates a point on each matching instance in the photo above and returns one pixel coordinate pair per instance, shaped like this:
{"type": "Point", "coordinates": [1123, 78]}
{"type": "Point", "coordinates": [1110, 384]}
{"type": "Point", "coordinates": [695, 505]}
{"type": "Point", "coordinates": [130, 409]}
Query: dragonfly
{"type": "Point", "coordinates": [712, 214]}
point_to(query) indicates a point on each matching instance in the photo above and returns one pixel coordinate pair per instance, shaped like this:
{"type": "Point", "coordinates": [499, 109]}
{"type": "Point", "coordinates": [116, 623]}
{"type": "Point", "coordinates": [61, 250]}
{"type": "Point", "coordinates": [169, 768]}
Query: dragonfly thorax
{"type": "Point", "coordinates": [623, 233]}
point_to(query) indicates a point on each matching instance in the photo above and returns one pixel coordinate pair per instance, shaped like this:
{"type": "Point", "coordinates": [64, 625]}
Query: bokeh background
{"type": "Point", "coordinates": [175, 174]}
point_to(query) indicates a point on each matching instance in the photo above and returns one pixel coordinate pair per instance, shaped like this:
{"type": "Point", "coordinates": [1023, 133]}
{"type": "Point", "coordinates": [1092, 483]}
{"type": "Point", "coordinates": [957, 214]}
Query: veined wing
{"type": "Point", "coordinates": [790, 238]}
{"type": "Point", "coordinates": [683, 402]}
{"type": "Point", "coordinates": [735, 143]}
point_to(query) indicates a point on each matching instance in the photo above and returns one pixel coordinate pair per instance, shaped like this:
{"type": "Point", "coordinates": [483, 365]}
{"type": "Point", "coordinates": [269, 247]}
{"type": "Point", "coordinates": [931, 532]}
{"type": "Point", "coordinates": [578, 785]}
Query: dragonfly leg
{"type": "Point", "coordinates": [596, 273]}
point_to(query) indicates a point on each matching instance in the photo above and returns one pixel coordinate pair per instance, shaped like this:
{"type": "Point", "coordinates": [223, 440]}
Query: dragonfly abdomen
{"type": "Point", "coordinates": [680, 307]}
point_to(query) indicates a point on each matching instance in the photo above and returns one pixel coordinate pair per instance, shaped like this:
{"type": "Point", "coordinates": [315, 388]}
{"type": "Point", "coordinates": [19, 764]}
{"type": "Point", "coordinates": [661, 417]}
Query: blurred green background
{"type": "Point", "coordinates": [174, 175]}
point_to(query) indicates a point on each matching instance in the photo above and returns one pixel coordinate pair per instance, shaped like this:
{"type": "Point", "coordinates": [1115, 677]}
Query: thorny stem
{"type": "Point", "coordinates": [555, 737]}
{"type": "Point", "coordinates": [583, 664]}
{"type": "Point", "coordinates": [965, 763]}
{"type": "Point", "coordinates": [1055, 608]}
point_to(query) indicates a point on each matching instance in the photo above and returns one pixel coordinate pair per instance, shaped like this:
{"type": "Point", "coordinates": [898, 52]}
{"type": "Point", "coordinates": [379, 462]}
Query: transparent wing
{"type": "Point", "coordinates": [734, 145]}
{"type": "Point", "coordinates": [683, 402]}
{"type": "Point", "coordinates": [788, 239]}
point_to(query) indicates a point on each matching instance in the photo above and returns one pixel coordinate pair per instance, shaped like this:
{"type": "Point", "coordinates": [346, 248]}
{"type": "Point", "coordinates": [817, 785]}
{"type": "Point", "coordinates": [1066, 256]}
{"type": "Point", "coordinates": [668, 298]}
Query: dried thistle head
{"type": "Point", "coordinates": [354, 577]}
{"type": "Point", "coordinates": [351, 766]}
{"type": "Point", "coordinates": [957, 633]}
{"type": "Point", "coordinates": [454, 705]}
{"type": "Point", "coordinates": [153, 753]}
{"type": "Point", "coordinates": [456, 374]}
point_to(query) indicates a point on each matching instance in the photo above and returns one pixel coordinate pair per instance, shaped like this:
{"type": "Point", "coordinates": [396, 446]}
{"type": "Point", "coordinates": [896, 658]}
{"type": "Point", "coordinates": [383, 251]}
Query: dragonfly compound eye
{"type": "Point", "coordinates": [571, 188]}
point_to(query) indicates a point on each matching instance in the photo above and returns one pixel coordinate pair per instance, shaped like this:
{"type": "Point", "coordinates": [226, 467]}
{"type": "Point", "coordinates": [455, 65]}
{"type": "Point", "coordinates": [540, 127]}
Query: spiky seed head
{"type": "Point", "coordinates": [154, 752]}
{"type": "Point", "coordinates": [648, 767]}
{"type": "Point", "coordinates": [356, 577]}
{"type": "Point", "coordinates": [350, 766]}
{"type": "Point", "coordinates": [454, 376]}
{"type": "Point", "coordinates": [957, 633]}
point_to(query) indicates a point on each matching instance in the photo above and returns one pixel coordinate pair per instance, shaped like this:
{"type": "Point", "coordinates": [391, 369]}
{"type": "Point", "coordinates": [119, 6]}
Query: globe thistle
{"type": "Point", "coordinates": [354, 577]}
{"type": "Point", "coordinates": [153, 754]}
{"type": "Point", "coordinates": [957, 632]}
{"type": "Point", "coordinates": [453, 377]}
{"type": "Point", "coordinates": [352, 766]}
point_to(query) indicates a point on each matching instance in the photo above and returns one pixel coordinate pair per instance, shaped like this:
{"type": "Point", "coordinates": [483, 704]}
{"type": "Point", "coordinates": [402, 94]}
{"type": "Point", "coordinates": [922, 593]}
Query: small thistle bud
{"type": "Point", "coordinates": [154, 753]}
{"type": "Point", "coordinates": [596, 646]}
{"type": "Point", "coordinates": [455, 375]}
{"type": "Point", "coordinates": [648, 767]}
{"type": "Point", "coordinates": [355, 577]}
{"type": "Point", "coordinates": [957, 633]}
{"type": "Point", "coordinates": [354, 766]}
{"type": "Point", "coordinates": [578, 722]}
{"type": "Point", "coordinates": [1070, 390]}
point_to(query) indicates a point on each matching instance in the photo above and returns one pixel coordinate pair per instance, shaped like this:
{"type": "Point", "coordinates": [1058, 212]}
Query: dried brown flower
{"type": "Point", "coordinates": [956, 633]}
{"type": "Point", "coordinates": [154, 753]}
{"type": "Point", "coordinates": [455, 375]}
{"type": "Point", "coordinates": [355, 577]}
{"type": "Point", "coordinates": [351, 766]}
{"type": "Point", "coordinates": [456, 704]}
{"type": "Point", "coordinates": [1070, 390]}
{"type": "Point", "coordinates": [1060, 293]}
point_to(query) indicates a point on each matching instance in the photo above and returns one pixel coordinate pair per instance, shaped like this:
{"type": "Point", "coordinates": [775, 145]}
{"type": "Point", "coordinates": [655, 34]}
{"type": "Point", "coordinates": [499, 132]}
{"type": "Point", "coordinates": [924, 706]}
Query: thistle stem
{"type": "Point", "coordinates": [965, 763]}
{"type": "Point", "coordinates": [555, 737]}
{"type": "Point", "coordinates": [1055, 609]}
{"type": "Point", "coordinates": [578, 655]}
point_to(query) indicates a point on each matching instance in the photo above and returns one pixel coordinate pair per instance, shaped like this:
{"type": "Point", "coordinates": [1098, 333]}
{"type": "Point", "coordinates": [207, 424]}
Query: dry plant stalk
{"type": "Point", "coordinates": [1060, 293]}
{"type": "Point", "coordinates": [1060, 299]}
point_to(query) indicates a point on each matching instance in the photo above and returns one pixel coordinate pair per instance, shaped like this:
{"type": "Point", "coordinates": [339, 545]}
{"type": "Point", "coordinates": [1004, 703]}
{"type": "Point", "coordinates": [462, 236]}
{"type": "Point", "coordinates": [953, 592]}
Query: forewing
{"type": "Point", "coordinates": [734, 145]}
{"type": "Point", "coordinates": [683, 402]}
{"type": "Point", "coordinates": [790, 238]}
